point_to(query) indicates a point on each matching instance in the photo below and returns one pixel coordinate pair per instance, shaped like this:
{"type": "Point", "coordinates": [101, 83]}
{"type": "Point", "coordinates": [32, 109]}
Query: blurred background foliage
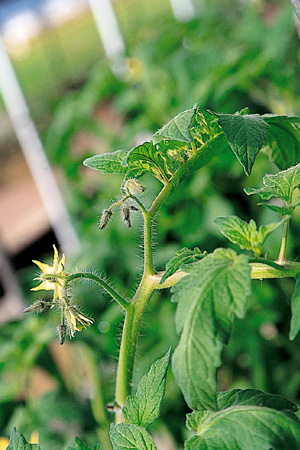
{"type": "Point", "coordinates": [231, 55]}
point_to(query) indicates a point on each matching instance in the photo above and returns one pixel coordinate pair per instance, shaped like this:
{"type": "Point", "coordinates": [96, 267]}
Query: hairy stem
{"type": "Point", "coordinates": [90, 276]}
{"type": "Point", "coordinates": [129, 341]}
{"type": "Point", "coordinates": [282, 253]}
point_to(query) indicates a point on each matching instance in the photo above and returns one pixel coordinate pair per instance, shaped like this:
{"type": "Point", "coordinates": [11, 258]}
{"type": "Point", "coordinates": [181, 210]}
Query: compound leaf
{"type": "Point", "coordinates": [130, 437]}
{"type": "Point", "coordinates": [246, 234]}
{"type": "Point", "coordinates": [178, 127]}
{"type": "Point", "coordinates": [145, 158]}
{"type": "Point", "coordinates": [107, 162]}
{"type": "Point", "coordinates": [183, 256]}
{"type": "Point", "coordinates": [143, 408]}
{"type": "Point", "coordinates": [245, 134]}
{"type": "Point", "coordinates": [295, 305]}
{"type": "Point", "coordinates": [282, 140]}
{"type": "Point", "coordinates": [282, 185]}
{"type": "Point", "coordinates": [215, 290]}
{"type": "Point", "coordinates": [18, 442]}
{"type": "Point", "coordinates": [244, 427]}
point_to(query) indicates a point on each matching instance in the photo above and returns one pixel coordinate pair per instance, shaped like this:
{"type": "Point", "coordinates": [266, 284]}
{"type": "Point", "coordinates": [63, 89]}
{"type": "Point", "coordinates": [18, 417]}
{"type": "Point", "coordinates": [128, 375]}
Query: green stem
{"type": "Point", "coordinates": [131, 329]}
{"type": "Point", "coordinates": [282, 253]}
{"type": "Point", "coordinates": [90, 276]}
{"type": "Point", "coordinates": [96, 397]}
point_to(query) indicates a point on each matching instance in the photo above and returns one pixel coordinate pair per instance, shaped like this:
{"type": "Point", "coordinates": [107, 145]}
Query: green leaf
{"type": "Point", "coordinates": [295, 305]}
{"type": "Point", "coordinates": [283, 140]}
{"type": "Point", "coordinates": [81, 446]}
{"type": "Point", "coordinates": [247, 427]}
{"type": "Point", "coordinates": [215, 290]}
{"type": "Point", "coordinates": [146, 158]}
{"type": "Point", "coordinates": [18, 442]}
{"type": "Point", "coordinates": [107, 162]}
{"type": "Point", "coordinates": [245, 134]}
{"type": "Point", "coordinates": [174, 153]}
{"type": "Point", "coordinates": [281, 185]}
{"type": "Point", "coordinates": [143, 408]}
{"type": "Point", "coordinates": [130, 437]}
{"type": "Point", "coordinates": [238, 397]}
{"type": "Point", "coordinates": [178, 127]}
{"type": "Point", "coordinates": [183, 256]}
{"type": "Point", "coordinates": [246, 234]}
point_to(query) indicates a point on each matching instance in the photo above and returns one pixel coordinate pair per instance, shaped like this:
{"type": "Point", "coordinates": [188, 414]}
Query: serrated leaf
{"type": "Point", "coordinates": [204, 126]}
{"type": "Point", "coordinates": [143, 408]}
{"type": "Point", "coordinates": [246, 234]}
{"type": "Point", "coordinates": [81, 446]}
{"type": "Point", "coordinates": [130, 437]}
{"type": "Point", "coordinates": [183, 256]}
{"type": "Point", "coordinates": [18, 442]}
{"type": "Point", "coordinates": [178, 127]}
{"type": "Point", "coordinates": [107, 162]}
{"type": "Point", "coordinates": [146, 158]}
{"type": "Point", "coordinates": [215, 290]}
{"type": "Point", "coordinates": [245, 134]}
{"type": "Point", "coordinates": [282, 140]}
{"type": "Point", "coordinates": [248, 427]}
{"type": "Point", "coordinates": [282, 210]}
{"type": "Point", "coordinates": [295, 306]}
{"type": "Point", "coordinates": [282, 185]}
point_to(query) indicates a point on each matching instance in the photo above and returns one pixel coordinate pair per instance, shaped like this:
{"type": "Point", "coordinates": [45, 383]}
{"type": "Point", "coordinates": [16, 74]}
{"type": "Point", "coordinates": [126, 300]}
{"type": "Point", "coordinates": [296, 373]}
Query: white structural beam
{"type": "Point", "coordinates": [35, 156]}
{"type": "Point", "coordinates": [110, 33]}
{"type": "Point", "coordinates": [183, 10]}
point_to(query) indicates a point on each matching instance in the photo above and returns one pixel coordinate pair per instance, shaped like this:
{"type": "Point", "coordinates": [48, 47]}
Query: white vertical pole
{"type": "Point", "coordinates": [35, 156]}
{"type": "Point", "coordinates": [110, 34]}
{"type": "Point", "coordinates": [183, 10]}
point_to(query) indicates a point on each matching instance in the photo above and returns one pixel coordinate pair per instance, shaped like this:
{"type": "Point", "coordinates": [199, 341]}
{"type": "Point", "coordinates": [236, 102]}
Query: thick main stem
{"type": "Point", "coordinates": [282, 253]}
{"type": "Point", "coordinates": [129, 341]}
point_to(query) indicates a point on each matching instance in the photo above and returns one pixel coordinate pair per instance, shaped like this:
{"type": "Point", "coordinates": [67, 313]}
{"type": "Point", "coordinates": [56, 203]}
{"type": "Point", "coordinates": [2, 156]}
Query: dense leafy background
{"type": "Point", "coordinates": [234, 54]}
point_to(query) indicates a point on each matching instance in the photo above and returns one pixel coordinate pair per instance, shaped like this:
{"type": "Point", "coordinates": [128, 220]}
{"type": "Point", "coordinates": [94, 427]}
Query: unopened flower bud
{"type": "Point", "coordinates": [106, 215]}
{"type": "Point", "coordinates": [126, 215]}
{"type": "Point", "coordinates": [134, 186]}
{"type": "Point", "coordinates": [38, 306]}
{"type": "Point", "coordinates": [62, 331]}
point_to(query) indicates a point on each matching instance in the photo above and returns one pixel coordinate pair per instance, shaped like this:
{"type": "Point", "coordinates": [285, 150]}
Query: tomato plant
{"type": "Point", "coordinates": [210, 289]}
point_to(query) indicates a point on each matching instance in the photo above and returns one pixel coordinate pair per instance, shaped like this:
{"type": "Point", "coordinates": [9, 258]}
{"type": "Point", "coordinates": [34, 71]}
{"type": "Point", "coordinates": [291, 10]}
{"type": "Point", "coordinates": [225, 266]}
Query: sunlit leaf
{"type": "Point", "coordinates": [178, 127]}
{"type": "Point", "coordinates": [130, 437]}
{"type": "Point", "coordinates": [208, 298]}
{"type": "Point", "coordinates": [246, 234]}
{"type": "Point", "coordinates": [281, 185]}
{"type": "Point", "coordinates": [107, 162]}
{"type": "Point", "coordinates": [245, 134]}
{"type": "Point", "coordinates": [143, 408]}
{"type": "Point", "coordinates": [81, 446]}
{"type": "Point", "coordinates": [146, 158]}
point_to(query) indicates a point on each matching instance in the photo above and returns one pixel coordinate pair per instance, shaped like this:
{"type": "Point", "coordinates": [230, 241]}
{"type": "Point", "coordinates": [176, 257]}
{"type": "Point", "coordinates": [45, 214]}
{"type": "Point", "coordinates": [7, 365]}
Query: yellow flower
{"type": "Point", "coordinates": [48, 283]}
{"type": "Point", "coordinates": [75, 319]}
{"type": "Point", "coordinates": [34, 438]}
{"type": "Point", "coordinates": [3, 443]}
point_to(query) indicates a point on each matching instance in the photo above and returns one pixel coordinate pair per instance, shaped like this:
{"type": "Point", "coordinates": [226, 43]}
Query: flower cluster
{"type": "Point", "coordinates": [54, 278]}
